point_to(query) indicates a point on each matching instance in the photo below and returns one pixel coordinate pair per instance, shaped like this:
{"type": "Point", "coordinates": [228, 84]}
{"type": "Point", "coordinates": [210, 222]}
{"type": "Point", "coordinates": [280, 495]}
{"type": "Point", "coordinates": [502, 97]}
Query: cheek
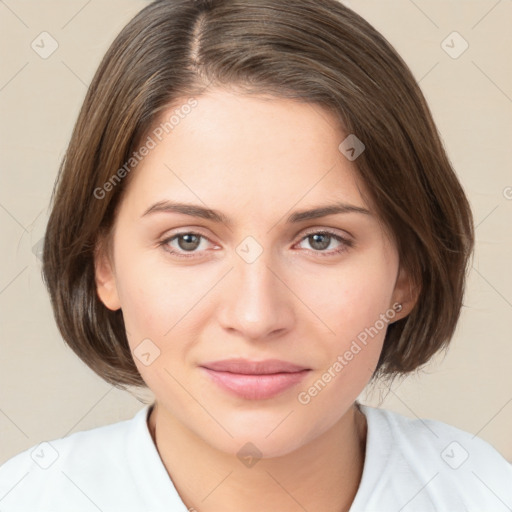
{"type": "Point", "coordinates": [353, 307]}
{"type": "Point", "coordinates": [353, 301]}
{"type": "Point", "coordinates": [158, 305]}
{"type": "Point", "coordinates": [349, 298]}
{"type": "Point", "coordinates": [154, 296]}
{"type": "Point", "coordinates": [152, 311]}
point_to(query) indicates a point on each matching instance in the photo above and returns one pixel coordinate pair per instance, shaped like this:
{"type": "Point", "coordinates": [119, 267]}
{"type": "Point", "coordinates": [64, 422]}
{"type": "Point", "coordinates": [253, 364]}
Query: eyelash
{"type": "Point", "coordinates": [323, 254]}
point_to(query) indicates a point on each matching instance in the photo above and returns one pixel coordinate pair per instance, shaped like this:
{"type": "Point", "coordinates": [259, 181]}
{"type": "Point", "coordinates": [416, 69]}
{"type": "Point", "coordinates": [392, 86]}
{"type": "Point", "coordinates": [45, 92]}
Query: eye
{"type": "Point", "coordinates": [321, 240]}
{"type": "Point", "coordinates": [187, 241]}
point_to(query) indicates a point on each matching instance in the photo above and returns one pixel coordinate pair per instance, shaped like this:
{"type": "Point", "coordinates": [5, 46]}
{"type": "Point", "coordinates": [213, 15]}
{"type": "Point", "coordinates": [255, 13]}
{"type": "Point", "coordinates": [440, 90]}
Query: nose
{"type": "Point", "coordinates": [256, 303]}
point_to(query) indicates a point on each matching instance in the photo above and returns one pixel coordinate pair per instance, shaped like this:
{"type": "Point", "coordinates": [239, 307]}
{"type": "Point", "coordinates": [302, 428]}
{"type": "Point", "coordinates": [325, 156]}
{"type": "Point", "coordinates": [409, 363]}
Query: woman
{"type": "Point", "coordinates": [255, 219]}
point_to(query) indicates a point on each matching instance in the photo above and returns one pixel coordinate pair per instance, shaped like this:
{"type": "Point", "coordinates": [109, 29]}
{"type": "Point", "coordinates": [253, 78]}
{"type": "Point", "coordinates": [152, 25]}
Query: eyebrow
{"type": "Point", "coordinates": [193, 210]}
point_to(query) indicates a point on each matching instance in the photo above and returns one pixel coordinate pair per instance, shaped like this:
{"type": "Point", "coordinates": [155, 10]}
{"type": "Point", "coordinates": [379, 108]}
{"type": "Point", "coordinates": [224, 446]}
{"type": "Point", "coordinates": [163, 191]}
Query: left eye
{"type": "Point", "coordinates": [189, 241]}
{"type": "Point", "coordinates": [320, 240]}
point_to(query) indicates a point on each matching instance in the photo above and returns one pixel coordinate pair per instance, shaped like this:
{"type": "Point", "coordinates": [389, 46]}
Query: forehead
{"type": "Point", "coordinates": [246, 151]}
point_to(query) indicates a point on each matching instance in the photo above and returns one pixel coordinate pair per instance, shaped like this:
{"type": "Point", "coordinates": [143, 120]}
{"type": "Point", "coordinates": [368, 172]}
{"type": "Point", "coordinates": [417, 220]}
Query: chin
{"type": "Point", "coordinates": [264, 432]}
{"type": "Point", "coordinates": [255, 445]}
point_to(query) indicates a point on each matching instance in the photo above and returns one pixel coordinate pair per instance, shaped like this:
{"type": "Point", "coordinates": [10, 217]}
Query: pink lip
{"type": "Point", "coordinates": [255, 380]}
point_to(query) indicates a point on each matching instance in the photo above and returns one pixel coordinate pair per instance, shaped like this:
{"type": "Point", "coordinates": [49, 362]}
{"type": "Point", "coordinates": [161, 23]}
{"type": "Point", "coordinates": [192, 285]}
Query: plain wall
{"type": "Point", "coordinates": [46, 392]}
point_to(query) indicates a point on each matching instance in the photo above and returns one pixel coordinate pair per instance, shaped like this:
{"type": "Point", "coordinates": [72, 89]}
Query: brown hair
{"type": "Point", "coordinates": [318, 51]}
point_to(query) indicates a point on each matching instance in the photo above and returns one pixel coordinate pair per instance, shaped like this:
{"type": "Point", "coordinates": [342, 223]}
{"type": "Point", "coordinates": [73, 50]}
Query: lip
{"type": "Point", "coordinates": [255, 380]}
{"type": "Point", "coordinates": [248, 367]}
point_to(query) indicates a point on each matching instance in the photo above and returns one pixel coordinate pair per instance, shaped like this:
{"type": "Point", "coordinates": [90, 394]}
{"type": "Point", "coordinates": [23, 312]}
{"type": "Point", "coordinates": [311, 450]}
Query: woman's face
{"type": "Point", "coordinates": [265, 282]}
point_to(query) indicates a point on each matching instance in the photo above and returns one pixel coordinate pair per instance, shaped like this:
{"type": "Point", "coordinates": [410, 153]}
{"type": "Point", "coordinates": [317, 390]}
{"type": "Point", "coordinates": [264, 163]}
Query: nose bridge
{"type": "Point", "coordinates": [257, 277]}
{"type": "Point", "coordinates": [257, 303]}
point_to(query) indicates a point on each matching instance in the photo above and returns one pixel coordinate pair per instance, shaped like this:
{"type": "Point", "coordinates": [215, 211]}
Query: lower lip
{"type": "Point", "coordinates": [256, 387]}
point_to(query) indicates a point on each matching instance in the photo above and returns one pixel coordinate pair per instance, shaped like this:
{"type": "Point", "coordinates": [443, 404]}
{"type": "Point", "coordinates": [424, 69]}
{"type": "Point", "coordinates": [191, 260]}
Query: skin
{"type": "Point", "coordinates": [256, 159]}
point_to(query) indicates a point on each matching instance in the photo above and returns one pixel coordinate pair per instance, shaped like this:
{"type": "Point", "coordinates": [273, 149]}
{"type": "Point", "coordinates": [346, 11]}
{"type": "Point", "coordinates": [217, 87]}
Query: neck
{"type": "Point", "coordinates": [321, 475]}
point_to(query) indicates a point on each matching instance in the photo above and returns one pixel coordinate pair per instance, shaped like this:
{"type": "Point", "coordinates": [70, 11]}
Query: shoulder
{"type": "Point", "coordinates": [448, 466]}
{"type": "Point", "coordinates": [433, 437]}
{"type": "Point", "coordinates": [68, 467]}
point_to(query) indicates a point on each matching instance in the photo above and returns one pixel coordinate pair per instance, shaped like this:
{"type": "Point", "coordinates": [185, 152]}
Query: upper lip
{"type": "Point", "coordinates": [244, 366]}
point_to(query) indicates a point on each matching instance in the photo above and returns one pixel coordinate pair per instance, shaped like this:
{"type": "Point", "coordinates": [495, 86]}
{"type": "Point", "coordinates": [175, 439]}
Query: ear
{"type": "Point", "coordinates": [106, 286]}
{"type": "Point", "coordinates": [406, 293]}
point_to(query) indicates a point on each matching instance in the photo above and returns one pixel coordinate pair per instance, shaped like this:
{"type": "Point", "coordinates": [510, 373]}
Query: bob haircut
{"type": "Point", "coordinates": [315, 51]}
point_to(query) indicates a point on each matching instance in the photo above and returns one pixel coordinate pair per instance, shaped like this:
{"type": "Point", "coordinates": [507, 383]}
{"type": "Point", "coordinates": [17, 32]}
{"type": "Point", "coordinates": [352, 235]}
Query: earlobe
{"type": "Point", "coordinates": [106, 287]}
{"type": "Point", "coordinates": [405, 294]}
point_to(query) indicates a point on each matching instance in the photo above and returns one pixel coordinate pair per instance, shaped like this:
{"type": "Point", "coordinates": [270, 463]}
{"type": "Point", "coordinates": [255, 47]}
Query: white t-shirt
{"type": "Point", "coordinates": [411, 465]}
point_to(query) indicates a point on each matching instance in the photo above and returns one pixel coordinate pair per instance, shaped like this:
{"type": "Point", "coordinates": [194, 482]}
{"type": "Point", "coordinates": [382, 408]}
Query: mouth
{"type": "Point", "coordinates": [255, 380]}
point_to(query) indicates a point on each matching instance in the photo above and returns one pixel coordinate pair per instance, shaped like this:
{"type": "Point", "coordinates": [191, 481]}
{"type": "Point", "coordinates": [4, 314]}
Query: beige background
{"type": "Point", "coordinates": [45, 390]}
